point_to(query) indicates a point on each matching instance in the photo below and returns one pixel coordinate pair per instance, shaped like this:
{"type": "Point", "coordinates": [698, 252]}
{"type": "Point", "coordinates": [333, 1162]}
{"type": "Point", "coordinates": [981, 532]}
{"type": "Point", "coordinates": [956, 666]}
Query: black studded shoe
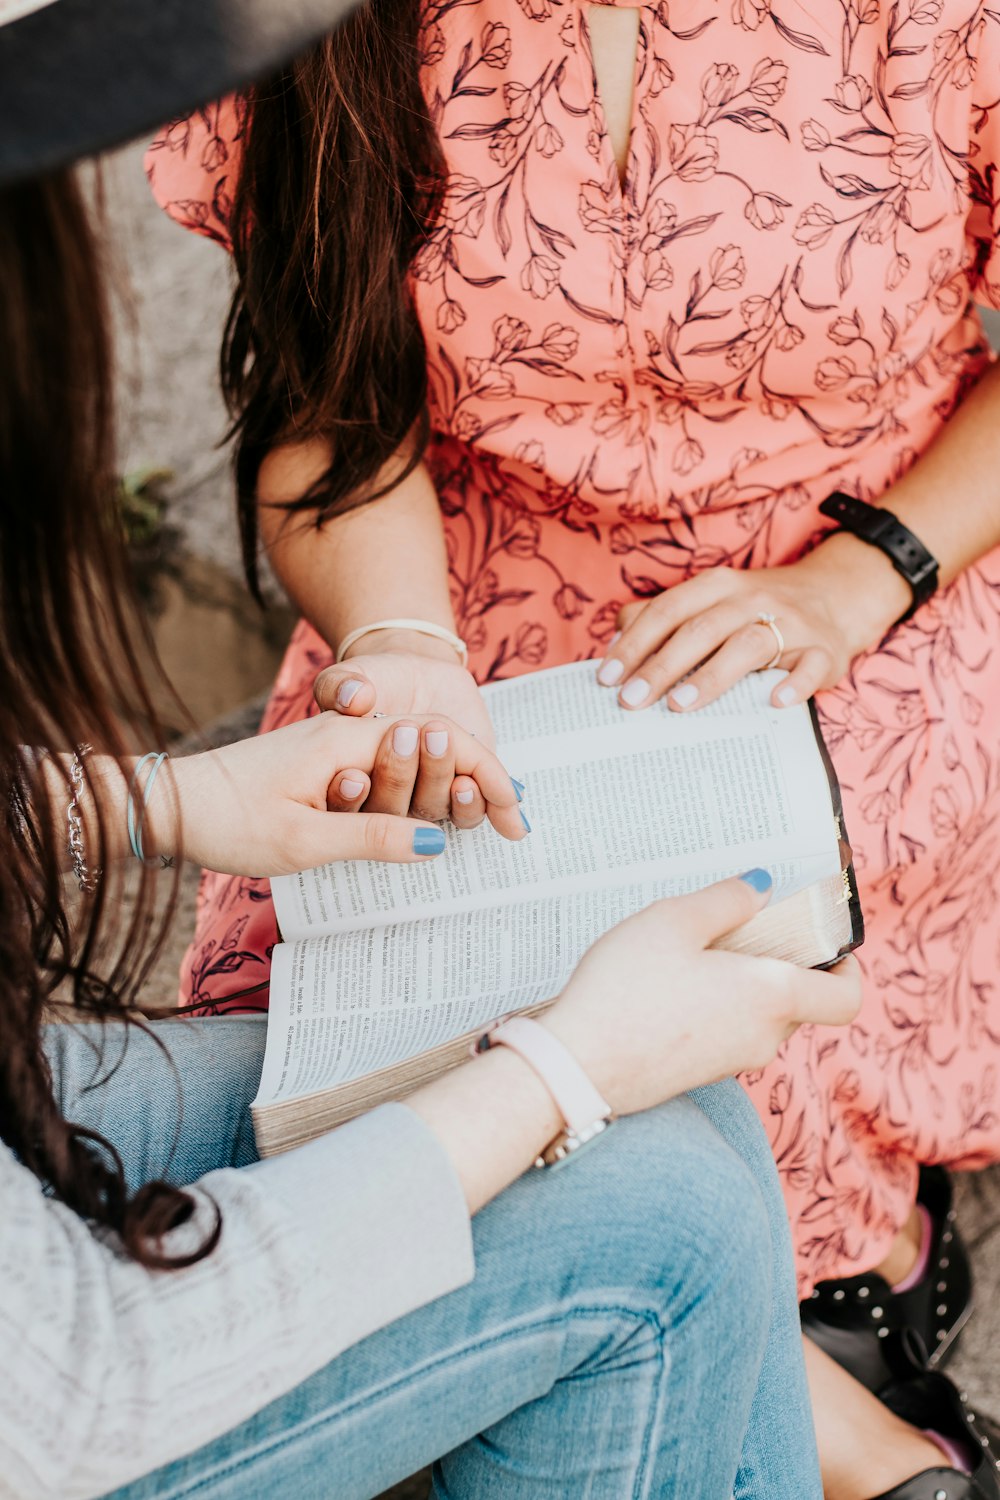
{"type": "Point", "coordinates": [850, 1319]}
{"type": "Point", "coordinates": [929, 1400]}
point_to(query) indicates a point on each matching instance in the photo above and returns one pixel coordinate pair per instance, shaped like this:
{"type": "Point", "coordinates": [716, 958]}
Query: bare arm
{"type": "Point", "coordinates": [948, 498]}
{"type": "Point", "coordinates": [832, 605]}
{"type": "Point", "coordinates": [384, 560]}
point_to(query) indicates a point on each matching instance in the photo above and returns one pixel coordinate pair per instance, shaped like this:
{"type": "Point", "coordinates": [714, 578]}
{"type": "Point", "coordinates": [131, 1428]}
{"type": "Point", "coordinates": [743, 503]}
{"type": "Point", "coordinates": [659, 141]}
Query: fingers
{"type": "Point", "coordinates": [710, 913]}
{"type": "Point", "coordinates": [655, 623]}
{"type": "Point", "coordinates": [625, 617]}
{"type": "Point", "coordinates": [747, 648]}
{"type": "Point", "coordinates": [502, 796]}
{"type": "Point", "coordinates": [417, 767]}
{"type": "Point", "coordinates": [468, 805]}
{"type": "Point", "coordinates": [317, 838]}
{"type": "Point", "coordinates": [348, 790]}
{"type": "Point", "coordinates": [830, 998]}
{"type": "Point", "coordinates": [342, 689]}
{"type": "Point", "coordinates": [809, 673]}
{"type": "Point", "coordinates": [436, 771]}
{"type": "Point", "coordinates": [688, 648]}
{"type": "Point", "coordinates": [394, 774]}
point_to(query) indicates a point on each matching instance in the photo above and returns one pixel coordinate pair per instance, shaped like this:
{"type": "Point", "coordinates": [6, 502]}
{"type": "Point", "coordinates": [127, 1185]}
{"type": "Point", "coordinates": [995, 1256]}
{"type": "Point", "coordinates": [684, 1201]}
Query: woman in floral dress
{"type": "Point", "coordinates": [695, 266]}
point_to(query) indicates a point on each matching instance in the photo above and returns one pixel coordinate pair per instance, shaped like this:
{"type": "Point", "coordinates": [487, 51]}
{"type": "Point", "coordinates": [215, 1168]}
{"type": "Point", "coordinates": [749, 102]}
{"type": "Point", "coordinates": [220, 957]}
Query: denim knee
{"type": "Point", "coordinates": [661, 1208]}
{"type": "Point", "coordinates": [685, 1193]}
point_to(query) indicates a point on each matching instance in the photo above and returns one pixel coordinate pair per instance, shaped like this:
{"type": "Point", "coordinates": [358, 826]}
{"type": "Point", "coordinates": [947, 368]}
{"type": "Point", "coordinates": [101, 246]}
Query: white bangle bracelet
{"type": "Point", "coordinates": [585, 1112]}
{"type": "Point", "coordinates": [420, 627]}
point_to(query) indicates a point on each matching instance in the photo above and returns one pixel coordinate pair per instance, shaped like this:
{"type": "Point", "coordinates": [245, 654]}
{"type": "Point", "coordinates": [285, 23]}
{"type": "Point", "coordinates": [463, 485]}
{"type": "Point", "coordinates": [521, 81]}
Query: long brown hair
{"type": "Point", "coordinates": [68, 675]}
{"type": "Point", "coordinates": [341, 177]}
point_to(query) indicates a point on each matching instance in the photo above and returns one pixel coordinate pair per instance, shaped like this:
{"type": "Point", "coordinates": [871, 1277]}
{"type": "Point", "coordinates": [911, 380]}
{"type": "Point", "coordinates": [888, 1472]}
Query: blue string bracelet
{"type": "Point", "coordinates": [154, 759]}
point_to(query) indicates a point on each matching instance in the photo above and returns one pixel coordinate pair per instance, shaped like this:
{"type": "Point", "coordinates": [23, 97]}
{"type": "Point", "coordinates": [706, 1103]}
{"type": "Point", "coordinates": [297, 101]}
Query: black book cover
{"type": "Point", "coordinates": [846, 855]}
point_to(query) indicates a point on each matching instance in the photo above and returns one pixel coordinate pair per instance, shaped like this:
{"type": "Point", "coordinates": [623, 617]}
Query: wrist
{"type": "Point", "coordinates": [863, 590]}
{"type": "Point", "coordinates": [578, 1038]}
{"type": "Point", "coordinates": [401, 642]}
{"type": "Point", "coordinates": [493, 1115]}
{"type": "Point", "coordinates": [163, 816]}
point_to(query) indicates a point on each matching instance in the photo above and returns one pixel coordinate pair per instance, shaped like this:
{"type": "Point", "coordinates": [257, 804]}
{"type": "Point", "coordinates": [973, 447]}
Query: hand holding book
{"type": "Point", "coordinates": [654, 1008]}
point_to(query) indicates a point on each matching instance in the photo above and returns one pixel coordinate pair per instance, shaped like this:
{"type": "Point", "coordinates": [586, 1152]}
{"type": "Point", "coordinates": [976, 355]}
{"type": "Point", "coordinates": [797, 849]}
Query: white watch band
{"type": "Point", "coordinates": [585, 1111]}
{"type": "Point", "coordinates": [420, 627]}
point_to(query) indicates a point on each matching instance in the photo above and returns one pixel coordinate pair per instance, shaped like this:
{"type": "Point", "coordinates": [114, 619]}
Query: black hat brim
{"type": "Point", "coordinates": [80, 76]}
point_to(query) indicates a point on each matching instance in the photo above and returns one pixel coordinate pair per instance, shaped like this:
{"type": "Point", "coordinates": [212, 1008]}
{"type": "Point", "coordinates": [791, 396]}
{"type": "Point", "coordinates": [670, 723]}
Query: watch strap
{"type": "Point", "coordinates": [577, 1100]}
{"type": "Point", "coordinates": [883, 529]}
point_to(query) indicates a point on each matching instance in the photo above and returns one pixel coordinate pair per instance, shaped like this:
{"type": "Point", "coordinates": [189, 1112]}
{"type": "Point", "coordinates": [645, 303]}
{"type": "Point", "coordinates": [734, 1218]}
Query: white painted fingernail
{"type": "Point", "coordinates": [351, 789]}
{"type": "Point", "coordinates": [786, 695]}
{"type": "Point", "coordinates": [404, 739]}
{"type": "Point", "coordinates": [616, 637]}
{"type": "Point", "coordinates": [437, 741]}
{"type": "Point", "coordinates": [610, 672]}
{"type": "Point", "coordinates": [464, 797]}
{"type": "Point", "coordinates": [348, 691]}
{"type": "Point", "coordinates": [684, 694]}
{"type": "Point", "coordinates": [635, 692]}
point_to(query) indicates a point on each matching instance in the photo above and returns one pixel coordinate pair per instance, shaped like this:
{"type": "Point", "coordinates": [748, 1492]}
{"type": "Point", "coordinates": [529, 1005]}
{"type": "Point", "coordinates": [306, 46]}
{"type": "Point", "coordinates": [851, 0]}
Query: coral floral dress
{"type": "Point", "coordinates": [631, 384]}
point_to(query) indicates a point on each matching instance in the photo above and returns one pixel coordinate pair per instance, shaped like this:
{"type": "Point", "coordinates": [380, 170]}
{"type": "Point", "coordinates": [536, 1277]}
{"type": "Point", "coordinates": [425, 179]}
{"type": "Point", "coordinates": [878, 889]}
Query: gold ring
{"type": "Point", "coordinates": [779, 640]}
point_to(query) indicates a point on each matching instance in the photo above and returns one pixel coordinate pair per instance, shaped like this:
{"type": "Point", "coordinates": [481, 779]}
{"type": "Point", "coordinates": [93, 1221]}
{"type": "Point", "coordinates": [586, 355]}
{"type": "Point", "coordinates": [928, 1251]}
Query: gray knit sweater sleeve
{"type": "Point", "coordinates": [108, 1371]}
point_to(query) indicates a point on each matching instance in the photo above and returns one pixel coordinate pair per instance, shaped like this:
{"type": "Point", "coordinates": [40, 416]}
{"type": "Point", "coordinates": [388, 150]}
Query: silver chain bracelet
{"type": "Point", "coordinates": [85, 879]}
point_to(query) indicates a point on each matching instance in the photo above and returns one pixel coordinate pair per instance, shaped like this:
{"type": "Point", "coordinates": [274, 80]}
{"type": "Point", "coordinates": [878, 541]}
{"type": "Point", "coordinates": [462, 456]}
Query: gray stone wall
{"type": "Point", "coordinates": [174, 294]}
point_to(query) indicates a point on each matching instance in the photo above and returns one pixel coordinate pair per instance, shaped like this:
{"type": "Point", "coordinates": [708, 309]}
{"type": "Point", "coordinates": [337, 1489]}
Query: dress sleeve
{"type": "Point", "coordinates": [983, 223]}
{"type": "Point", "coordinates": [111, 1370]}
{"type": "Point", "coordinates": [193, 164]}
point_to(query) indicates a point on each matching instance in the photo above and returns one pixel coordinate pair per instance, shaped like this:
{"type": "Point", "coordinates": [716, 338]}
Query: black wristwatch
{"type": "Point", "coordinates": [882, 529]}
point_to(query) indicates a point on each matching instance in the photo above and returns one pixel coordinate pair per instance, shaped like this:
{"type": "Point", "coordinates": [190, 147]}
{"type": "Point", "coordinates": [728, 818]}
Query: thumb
{"type": "Point", "coordinates": [321, 838]}
{"type": "Point", "coordinates": [342, 689]}
{"type": "Point", "coordinates": [718, 909]}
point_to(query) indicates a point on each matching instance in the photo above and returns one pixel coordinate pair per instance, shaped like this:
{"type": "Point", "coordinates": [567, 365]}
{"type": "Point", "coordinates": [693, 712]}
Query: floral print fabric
{"type": "Point", "coordinates": [631, 383]}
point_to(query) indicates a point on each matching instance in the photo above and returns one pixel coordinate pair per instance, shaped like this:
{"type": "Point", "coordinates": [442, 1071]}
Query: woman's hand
{"type": "Point", "coordinates": [648, 1014]}
{"type": "Point", "coordinates": [651, 1011]}
{"type": "Point", "coordinates": [411, 675]}
{"type": "Point", "coordinates": [262, 806]}
{"type": "Point", "coordinates": [699, 638]}
{"type": "Point", "coordinates": [415, 774]}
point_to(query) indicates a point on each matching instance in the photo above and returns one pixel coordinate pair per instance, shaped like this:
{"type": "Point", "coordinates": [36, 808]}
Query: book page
{"type": "Point", "coordinates": [345, 1005]}
{"type": "Point", "coordinates": [615, 798]}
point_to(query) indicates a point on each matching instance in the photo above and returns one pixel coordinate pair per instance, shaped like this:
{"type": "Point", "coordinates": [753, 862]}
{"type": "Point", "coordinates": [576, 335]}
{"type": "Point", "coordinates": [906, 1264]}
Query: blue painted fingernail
{"type": "Point", "coordinates": [527, 825]}
{"type": "Point", "coordinates": [760, 880]}
{"type": "Point", "coordinates": [519, 788]}
{"type": "Point", "coordinates": [428, 841]}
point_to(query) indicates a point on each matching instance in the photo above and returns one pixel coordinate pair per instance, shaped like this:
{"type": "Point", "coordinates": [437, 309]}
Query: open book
{"type": "Point", "coordinates": [388, 971]}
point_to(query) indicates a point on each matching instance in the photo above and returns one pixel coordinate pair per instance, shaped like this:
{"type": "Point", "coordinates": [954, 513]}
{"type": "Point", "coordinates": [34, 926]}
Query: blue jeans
{"type": "Point", "coordinates": [631, 1330]}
